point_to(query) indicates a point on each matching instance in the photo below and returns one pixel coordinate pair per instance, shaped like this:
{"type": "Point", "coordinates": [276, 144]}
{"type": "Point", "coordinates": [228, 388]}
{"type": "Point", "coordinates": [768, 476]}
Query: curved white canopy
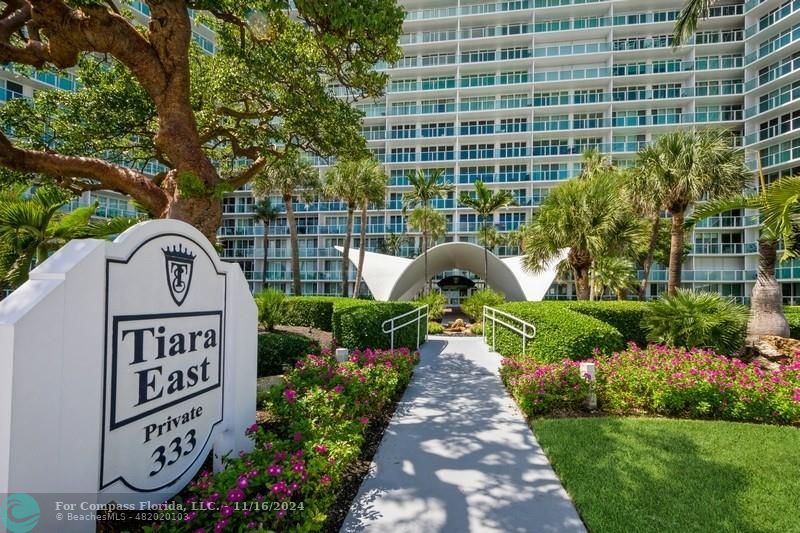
{"type": "Point", "coordinates": [398, 278]}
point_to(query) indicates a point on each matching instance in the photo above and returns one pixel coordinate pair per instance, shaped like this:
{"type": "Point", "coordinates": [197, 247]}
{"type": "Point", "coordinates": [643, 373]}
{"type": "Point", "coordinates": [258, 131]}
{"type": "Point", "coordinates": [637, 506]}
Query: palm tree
{"type": "Point", "coordinates": [345, 181]}
{"type": "Point", "coordinates": [779, 204]}
{"type": "Point", "coordinates": [265, 213]}
{"type": "Point", "coordinates": [289, 176]}
{"type": "Point", "coordinates": [690, 15]}
{"type": "Point", "coordinates": [593, 161]}
{"type": "Point", "coordinates": [614, 273]}
{"type": "Point", "coordinates": [372, 188]}
{"type": "Point", "coordinates": [515, 238]}
{"type": "Point", "coordinates": [485, 203]}
{"type": "Point", "coordinates": [590, 218]}
{"type": "Point", "coordinates": [489, 238]}
{"type": "Point", "coordinates": [432, 225]}
{"type": "Point", "coordinates": [648, 204]}
{"type": "Point", "coordinates": [682, 167]}
{"type": "Point", "coordinates": [426, 187]}
{"type": "Point", "coordinates": [392, 243]}
{"type": "Point", "coordinates": [32, 227]}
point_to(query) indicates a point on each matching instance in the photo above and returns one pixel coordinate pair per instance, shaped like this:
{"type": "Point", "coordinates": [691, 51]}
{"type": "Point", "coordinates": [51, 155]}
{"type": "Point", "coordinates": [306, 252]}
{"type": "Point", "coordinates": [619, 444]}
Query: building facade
{"type": "Point", "coordinates": [513, 92]}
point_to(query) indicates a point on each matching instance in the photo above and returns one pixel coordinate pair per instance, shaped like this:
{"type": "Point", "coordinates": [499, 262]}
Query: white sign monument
{"type": "Point", "coordinates": [122, 365]}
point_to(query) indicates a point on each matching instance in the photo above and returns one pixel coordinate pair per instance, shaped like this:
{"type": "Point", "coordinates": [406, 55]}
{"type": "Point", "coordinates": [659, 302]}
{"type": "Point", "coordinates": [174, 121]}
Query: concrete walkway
{"type": "Point", "coordinates": [458, 456]}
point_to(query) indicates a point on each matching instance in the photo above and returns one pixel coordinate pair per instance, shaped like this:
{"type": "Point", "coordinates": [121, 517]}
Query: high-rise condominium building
{"type": "Point", "coordinates": [511, 93]}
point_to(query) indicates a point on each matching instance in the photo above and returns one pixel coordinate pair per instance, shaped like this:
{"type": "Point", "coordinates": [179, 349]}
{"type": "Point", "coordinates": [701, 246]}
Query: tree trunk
{"type": "Point", "coordinates": [361, 250]}
{"type": "Point", "coordinates": [296, 287]}
{"type": "Point", "coordinates": [346, 253]}
{"type": "Point", "coordinates": [427, 287]}
{"type": "Point", "coordinates": [41, 256]}
{"type": "Point", "coordinates": [676, 253]}
{"type": "Point", "coordinates": [486, 266]}
{"type": "Point", "coordinates": [648, 261]}
{"type": "Point", "coordinates": [581, 263]}
{"type": "Point", "coordinates": [204, 213]}
{"type": "Point", "coordinates": [582, 289]}
{"type": "Point", "coordinates": [266, 254]}
{"type": "Point", "coordinates": [766, 301]}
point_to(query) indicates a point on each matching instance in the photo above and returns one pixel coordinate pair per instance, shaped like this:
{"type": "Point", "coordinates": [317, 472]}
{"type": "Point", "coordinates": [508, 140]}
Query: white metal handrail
{"type": "Point", "coordinates": [525, 329]}
{"type": "Point", "coordinates": [419, 313]}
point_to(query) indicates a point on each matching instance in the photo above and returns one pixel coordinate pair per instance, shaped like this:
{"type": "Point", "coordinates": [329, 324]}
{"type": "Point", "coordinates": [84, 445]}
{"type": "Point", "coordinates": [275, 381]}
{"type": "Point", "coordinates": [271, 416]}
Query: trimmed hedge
{"type": "Point", "coordinates": [360, 325]}
{"type": "Point", "coordinates": [561, 333]}
{"type": "Point", "coordinates": [355, 323]}
{"type": "Point", "coordinates": [310, 311]}
{"type": "Point", "coordinates": [625, 316]}
{"type": "Point", "coordinates": [278, 349]}
{"type": "Point", "coordinates": [792, 313]}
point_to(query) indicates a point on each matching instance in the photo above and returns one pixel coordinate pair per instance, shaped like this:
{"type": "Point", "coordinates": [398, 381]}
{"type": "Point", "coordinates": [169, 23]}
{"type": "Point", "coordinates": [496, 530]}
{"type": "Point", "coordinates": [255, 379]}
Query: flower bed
{"type": "Point", "coordinates": [317, 422]}
{"type": "Point", "coordinates": [664, 381]}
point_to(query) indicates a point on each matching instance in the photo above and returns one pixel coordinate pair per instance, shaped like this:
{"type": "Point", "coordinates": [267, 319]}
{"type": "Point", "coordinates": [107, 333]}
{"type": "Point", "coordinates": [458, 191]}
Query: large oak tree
{"type": "Point", "coordinates": [156, 118]}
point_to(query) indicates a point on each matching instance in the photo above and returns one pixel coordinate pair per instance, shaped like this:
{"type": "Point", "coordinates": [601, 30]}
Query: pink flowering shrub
{"type": "Point", "coordinates": [664, 381]}
{"type": "Point", "coordinates": [318, 420]}
{"type": "Point", "coordinates": [541, 388]}
{"type": "Point", "coordinates": [697, 383]}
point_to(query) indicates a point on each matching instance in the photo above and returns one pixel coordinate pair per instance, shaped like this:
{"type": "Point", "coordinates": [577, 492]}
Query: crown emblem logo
{"type": "Point", "coordinates": [179, 262]}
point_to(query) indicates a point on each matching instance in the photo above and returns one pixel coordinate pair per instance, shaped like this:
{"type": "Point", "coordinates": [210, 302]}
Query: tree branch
{"type": "Point", "coordinates": [248, 174]}
{"type": "Point", "coordinates": [75, 168]}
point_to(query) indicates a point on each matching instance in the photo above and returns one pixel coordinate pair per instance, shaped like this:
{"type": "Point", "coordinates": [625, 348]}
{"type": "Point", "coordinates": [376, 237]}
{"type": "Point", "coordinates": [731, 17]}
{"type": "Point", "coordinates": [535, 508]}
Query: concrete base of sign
{"type": "Point", "coordinates": [342, 354]}
{"type": "Point", "coordinates": [54, 370]}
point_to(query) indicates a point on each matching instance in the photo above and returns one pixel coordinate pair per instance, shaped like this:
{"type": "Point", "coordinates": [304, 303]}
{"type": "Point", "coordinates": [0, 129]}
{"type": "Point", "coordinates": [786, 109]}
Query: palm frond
{"type": "Point", "coordinates": [690, 15]}
{"type": "Point", "coordinates": [717, 206]}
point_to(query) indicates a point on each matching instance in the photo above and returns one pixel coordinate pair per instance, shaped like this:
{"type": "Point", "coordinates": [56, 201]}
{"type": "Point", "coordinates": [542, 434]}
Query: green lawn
{"type": "Point", "coordinates": [644, 474]}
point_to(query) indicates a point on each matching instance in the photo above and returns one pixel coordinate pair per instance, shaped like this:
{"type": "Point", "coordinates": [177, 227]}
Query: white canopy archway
{"type": "Point", "coordinates": [398, 278]}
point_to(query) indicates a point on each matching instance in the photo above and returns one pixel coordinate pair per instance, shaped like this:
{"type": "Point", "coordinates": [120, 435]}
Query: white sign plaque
{"type": "Point", "coordinates": [136, 359]}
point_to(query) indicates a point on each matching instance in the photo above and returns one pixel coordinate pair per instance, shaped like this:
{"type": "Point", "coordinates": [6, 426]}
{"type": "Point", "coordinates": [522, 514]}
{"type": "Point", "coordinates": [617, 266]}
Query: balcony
{"type": "Point", "coordinates": [774, 17]}
{"type": "Point", "coordinates": [724, 248]}
{"type": "Point", "coordinates": [773, 45]}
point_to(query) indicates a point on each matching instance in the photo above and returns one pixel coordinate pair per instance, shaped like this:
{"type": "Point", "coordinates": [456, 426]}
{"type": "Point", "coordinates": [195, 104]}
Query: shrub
{"type": "Point", "coordinates": [270, 308]}
{"type": "Point", "coordinates": [476, 329]}
{"type": "Point", "coordinates": [697, 383]}
{"type": "Point", "coordinates": [626, 317]}
{"type": "Point", "coordinates": [543, 388]}
{"type": "Point", "coordinates": [434, 328]}
{"type": "Point", "coordinates": [473, 304]}
{"type": "Point", "coordinates": [360, 324]}
{"type": "Point", "coordinates": [793, 318]}
{"type": "Point", "coordinates": [309, 311]}
{"type": "Point", "coordinates": [662, 381]}
{"type": "Point", "coordinates": [561, 333]}
{"type": "Point", "coordinates": [276, 350]}
{"type": "Point", "coordinates": [436, 303]}
{"type": "Point", "coordinates": [319, 417]}
{"type": "Point", "coordinates": [697, 319]}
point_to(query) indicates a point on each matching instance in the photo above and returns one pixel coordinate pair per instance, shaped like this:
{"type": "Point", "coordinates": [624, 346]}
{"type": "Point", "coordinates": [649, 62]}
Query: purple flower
{"type": "Point", "coordinates": [242, 482]}
{"type": "Point", "coordinates": [235, 495]}
{"type": "Point", "coordinates": [364, 420]}
{"type": "Point", "coordinates": [338, 389]}
{"type": "Point", "coordinates": [274, 470]}
{"type": "Point", "coordinates": [252, 429]}
{"type": "Point", "coordinates": [226, 511]}
{"type": "Point", "coordinates": [796, 396]}
{"type": "Point", "coordinates": [298, 436]}
{"type": "Point", "coordinates": [290, 395]}
{"type": "Point", "coordinates": [321, 449]}
{"type": "Point", "coordinates": [325, 479]}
